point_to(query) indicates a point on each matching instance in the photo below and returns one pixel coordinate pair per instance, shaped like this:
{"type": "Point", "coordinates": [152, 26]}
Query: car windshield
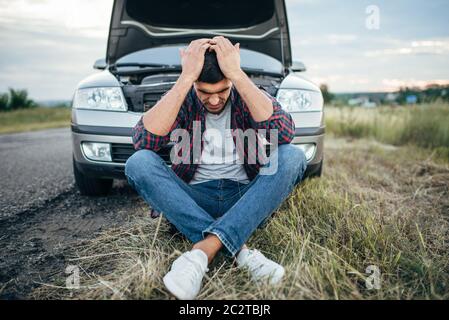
{"type": "Point", "coordinates": [169, 56]}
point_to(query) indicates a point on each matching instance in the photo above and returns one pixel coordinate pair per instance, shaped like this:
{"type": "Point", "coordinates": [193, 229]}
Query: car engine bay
{"type": "Point", "coordinates": [143, 92]}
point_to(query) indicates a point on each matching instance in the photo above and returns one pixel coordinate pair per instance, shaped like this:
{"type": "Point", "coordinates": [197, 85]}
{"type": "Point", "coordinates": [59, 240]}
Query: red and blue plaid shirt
{"type": "Point", "coordinates": [193, 110]}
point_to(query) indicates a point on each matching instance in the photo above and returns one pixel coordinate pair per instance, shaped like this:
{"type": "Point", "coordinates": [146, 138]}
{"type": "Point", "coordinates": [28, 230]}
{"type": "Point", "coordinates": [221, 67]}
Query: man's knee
{"type": "Point", "coordinates": [292, 159]}
{"type": "Point", "coordinates": [141, 162]}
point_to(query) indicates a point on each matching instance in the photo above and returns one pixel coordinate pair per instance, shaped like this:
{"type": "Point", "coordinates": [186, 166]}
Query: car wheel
{"type": "Point", "coordinates": [89, 186]}
{"type": "Point", "coordinates": [319, 171]}
{"type": "Point", "coordinates": [314, 171]}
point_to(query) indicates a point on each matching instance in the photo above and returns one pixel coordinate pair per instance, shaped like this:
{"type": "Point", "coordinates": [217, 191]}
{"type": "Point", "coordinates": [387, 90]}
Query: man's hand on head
{"type": "Point", "coordinates": [192, 58]}
{"type": "Point", "coordinates": [160, 119]}
{"type": "Point", "coordinates": [228, 56]}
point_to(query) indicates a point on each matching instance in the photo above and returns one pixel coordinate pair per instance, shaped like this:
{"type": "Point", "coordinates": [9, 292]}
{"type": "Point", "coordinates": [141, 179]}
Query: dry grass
{"type": "Point", "coordinates": [376, 205]}
{"type": "Point", "coordinates": [34, 119]}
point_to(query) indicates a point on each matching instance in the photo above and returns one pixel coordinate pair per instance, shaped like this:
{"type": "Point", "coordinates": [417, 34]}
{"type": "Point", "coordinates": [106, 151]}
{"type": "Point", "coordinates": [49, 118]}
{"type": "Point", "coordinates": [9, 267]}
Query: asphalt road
{"type": "Point", "coordinates": [42, 214]}
{"type": "Point", "coordinates": [34, 168]}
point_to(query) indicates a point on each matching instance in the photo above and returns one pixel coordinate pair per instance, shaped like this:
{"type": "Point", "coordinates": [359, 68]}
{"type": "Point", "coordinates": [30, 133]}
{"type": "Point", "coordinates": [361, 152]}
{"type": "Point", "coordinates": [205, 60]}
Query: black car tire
{"type": "Point", "coordinates": [314, 171]}
{"type": "Point", "coordinates": [89, 186]}
{"type": "Point", "coordinates": [319, 172]}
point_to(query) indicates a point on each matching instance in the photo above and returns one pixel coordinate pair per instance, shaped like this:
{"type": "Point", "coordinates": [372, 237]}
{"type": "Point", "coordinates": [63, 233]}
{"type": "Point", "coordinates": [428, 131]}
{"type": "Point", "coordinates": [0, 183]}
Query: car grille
{"type": "Point", "coordinates": [121, 152]}
{"type": "Point", "coordinates": [143, 98]}
{"type": "Point", "coordinates": [150, 99]}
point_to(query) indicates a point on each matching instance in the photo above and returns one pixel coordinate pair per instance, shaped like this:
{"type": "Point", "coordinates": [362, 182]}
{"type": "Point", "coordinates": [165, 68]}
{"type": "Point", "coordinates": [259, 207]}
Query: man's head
{"type": "Point", "coordinates": [212, 88]}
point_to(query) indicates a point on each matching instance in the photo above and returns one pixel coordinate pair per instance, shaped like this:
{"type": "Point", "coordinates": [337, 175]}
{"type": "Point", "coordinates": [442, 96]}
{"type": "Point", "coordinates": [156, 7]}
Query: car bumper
{"type": "Point", "coordinates": [121, 149]}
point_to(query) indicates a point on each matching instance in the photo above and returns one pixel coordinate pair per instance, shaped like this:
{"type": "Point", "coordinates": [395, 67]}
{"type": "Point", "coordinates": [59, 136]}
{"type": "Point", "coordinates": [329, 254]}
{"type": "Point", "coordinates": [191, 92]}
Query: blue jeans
{"type": "Point", "coordinates": [230, 210]}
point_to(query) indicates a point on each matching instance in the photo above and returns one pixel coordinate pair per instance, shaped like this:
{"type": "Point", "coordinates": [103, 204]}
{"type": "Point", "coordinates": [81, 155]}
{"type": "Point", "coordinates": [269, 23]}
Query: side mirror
{"type": "Point", "coordinates": [298, 66]}
{"type": "Point", "coordinates": [100, 64]}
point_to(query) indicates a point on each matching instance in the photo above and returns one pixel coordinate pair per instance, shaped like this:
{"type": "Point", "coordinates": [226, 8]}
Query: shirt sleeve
{"type": "Point", "coordinates": [280, 120]}
{"type": "Point", "coordinates": [143, 139]}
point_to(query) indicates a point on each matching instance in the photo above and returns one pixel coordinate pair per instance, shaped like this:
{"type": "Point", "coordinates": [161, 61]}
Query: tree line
{"type": "Point", "coordinates": [15, 99]}
{"type": "Point", "coordinates": [429, 94]}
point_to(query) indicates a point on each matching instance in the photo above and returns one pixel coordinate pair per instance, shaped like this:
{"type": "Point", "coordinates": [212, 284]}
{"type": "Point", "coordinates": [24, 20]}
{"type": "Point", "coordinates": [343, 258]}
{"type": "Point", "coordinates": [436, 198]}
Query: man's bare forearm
{"type": "Point", "coordinates": [159, 119]}
{"type": "Point", "coordinates": [259, 105]}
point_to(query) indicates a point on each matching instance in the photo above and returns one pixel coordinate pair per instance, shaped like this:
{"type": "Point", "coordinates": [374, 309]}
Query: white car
{"type": "Point", "coordinates": [143, 62]}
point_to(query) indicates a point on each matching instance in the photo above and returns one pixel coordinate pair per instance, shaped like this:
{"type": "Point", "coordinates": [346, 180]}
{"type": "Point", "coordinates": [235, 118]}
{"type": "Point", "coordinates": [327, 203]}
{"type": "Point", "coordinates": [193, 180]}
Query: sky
{"type": "Point", "coordinates": [48, 46]}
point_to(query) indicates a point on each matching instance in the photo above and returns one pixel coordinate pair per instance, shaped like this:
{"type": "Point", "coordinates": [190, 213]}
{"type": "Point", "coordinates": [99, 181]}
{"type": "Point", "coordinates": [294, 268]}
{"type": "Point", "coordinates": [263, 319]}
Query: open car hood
{"type": "Point", "coordinates": [259, 25]}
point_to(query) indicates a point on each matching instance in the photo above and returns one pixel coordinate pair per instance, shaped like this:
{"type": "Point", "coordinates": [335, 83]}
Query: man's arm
{"type": "Point", "coordinates": [228, 56]}
{"type": "Point", "coordinates": [153, 129]}
{"type": "Point", "coordinates": [160, 119]}
{"type": "Point", "coordinates": [144, 138]}
{"type": "Point", "coordinates": [265, 111]}
{"type": "Point", "coordinates": [259, 105]}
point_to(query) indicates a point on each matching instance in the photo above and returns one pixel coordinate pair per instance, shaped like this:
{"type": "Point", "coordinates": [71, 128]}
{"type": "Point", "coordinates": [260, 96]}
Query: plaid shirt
{"type": "Point", "coordinates": [193, 110]}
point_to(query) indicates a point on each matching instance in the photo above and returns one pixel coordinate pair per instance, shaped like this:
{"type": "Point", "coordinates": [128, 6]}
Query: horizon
{"type": "Point", "coordinates": [49, 45]}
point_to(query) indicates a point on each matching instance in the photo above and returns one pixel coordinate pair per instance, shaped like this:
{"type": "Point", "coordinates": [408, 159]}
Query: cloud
{"type": "Point", "coordinates": [394, 84]}
{"type": "Point", "coordinates": [415, 47]}
{"type": "Point", "coordinates": [340, 39]}
{"type": "Point", "coordinates": [333, 39]}
{"type": "Point", "coordinates": [341, 82]}
{"type": "Point", "coordinates": [48, 46]}
{"type": "Point", "coordinates": [82, 17]}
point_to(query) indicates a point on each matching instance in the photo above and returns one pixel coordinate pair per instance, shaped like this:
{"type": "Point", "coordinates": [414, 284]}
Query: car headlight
{"type": "Point", "coordinates": [294, 100]}
{"type": "Point", "coordinates": [110, 99]}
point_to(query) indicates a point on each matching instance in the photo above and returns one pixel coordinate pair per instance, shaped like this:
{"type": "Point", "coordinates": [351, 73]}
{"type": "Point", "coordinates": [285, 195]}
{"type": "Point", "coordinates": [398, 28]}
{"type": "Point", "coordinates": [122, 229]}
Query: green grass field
{"type": "Point", "coordinates": [34, 119]}
{"type": "Point", "coordinates": [425, 125]}
{"type": "Point", "coordinates": [383, 201]}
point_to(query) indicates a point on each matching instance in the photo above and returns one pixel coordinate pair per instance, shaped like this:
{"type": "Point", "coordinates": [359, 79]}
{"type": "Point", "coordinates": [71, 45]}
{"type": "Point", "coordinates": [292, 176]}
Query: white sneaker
{"type": "Point", "coordinates": [260, 267]}
{"type": "Point", "coordinates": [187, 272]}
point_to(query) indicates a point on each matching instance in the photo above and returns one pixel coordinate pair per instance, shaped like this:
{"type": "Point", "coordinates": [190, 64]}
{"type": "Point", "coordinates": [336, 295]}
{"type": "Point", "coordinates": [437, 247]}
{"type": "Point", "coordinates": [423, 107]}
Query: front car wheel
{"type": "Point", "coordinates": [89, 186]}
{"type": "Point", "coordinates": [314, 171]}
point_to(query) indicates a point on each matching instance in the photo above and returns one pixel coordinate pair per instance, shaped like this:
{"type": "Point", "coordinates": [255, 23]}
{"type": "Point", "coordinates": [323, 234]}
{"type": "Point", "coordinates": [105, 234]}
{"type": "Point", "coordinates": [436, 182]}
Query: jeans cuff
{"type": "Point", "coordinates": [230, 248]}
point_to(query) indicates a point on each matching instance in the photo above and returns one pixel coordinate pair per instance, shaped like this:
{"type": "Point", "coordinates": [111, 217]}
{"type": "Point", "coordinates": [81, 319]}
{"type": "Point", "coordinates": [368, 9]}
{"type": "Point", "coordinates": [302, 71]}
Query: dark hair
{"type": "Point", "coordinates": [211, 72]}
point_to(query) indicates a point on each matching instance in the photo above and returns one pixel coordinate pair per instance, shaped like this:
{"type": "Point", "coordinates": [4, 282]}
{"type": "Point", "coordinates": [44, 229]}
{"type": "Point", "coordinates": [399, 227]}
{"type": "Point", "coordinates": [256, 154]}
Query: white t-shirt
{"type": "Point", "coordinates": [219, 159]}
